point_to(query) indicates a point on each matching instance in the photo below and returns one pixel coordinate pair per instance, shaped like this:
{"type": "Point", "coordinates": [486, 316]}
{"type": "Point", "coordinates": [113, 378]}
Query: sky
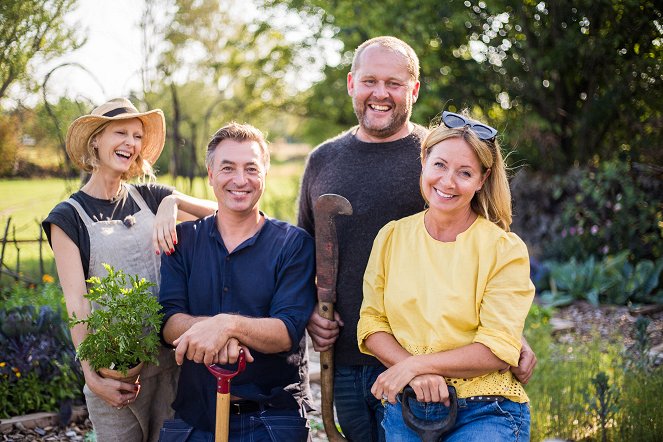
{"type": "Point", "coordinates": [112, 53]}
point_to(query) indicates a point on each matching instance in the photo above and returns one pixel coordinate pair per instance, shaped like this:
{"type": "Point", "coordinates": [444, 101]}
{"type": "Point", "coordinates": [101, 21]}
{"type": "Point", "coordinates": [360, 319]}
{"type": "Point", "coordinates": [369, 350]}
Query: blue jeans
{"type": "Point", "coordinates": [359, 413]}
{"type": "Point", "coordinates": [270, 425]}
{"type": "Point", "coordinates": [476, 422]}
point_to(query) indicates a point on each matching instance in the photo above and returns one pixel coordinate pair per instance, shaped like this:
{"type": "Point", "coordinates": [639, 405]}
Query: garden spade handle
{"type": "Point", "coordinates": [326, 255]}
{"type": "Point", "coordinates": [223, 378]}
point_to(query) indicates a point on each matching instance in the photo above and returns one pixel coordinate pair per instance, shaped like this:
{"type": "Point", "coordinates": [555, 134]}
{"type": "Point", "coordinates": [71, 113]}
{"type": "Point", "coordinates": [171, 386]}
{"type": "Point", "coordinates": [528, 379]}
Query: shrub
{"type": "Point", "coordinates": [611, 211]}
{"type": "Point", "coordinates": [38, 371]}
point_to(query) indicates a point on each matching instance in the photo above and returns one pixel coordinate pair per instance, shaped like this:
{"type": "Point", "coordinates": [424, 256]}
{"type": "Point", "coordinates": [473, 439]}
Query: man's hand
{"type": "Point", "coordinates": [526, 363]}
{"type": "Point", "coordinates": [323, 332]}
{"type": "Point", "coordinates": [206, 341]}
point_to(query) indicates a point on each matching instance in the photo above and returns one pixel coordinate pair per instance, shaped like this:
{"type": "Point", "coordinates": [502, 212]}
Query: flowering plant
{"type": "Point", "coordinates": [123, 327]}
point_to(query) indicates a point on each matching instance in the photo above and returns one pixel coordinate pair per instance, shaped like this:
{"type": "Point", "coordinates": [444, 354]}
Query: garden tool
{"type": "Point", "coordinates": [326, 254]}
{"type": "Point", "coordinates": [429, 431]}
{"type": "Point", "coordinates": [223, 378]}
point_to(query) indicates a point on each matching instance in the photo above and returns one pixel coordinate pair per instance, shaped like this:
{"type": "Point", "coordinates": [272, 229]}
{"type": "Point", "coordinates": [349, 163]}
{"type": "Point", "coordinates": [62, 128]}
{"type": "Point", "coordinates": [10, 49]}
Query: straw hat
{"type": "Point", "coordinates": [80, 131]}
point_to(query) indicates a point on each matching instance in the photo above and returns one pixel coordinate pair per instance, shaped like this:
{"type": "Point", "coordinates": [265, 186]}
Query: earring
{"type": "Point", "coordinates": [478, 190]}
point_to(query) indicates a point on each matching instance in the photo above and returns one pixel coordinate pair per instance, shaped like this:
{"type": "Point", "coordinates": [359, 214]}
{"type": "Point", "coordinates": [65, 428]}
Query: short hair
{"type": "Point", "coordinates": [238, 132]}
{"type": "Point", "coordinates": [140, 168]}
{"type": "Point", "coordinates": [392, 44]}
{"type": "Point", "coordinates": [493, 201]}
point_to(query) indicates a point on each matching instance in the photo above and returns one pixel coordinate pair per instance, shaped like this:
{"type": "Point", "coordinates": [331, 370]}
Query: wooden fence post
{"type": "Point", "coordinates": [4, 242]}
{"type": "Point", "coordinates": [18, 255]}
{"type": "Point", "coordinates": [41, 255]}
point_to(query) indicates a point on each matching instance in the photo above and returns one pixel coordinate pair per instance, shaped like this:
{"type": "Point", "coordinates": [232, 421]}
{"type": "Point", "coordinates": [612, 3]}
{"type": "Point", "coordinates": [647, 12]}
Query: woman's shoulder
{"type": "Point", "coordinates": [407, 225]}
{"type": "Point", "coordinates": [487, 232]}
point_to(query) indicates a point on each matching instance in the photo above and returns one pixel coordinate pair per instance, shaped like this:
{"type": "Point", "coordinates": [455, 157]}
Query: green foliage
{"type": "Point", "coordinates": [123, 327]}
{"type": "Point", "coordinates": [602, 398]}
{"type": "Point", "coordinates": [610, 210]}
{"type": "Point", "coordinates": [37, 367]}
{"type": "Point", "coordinates": [32, 28]}
{"type": "Point", "coordinates": [574, 389]}
{"type": "Point", "coordinates": [564, 80]}
{"type": "Point", "coordinates": [613, 280]}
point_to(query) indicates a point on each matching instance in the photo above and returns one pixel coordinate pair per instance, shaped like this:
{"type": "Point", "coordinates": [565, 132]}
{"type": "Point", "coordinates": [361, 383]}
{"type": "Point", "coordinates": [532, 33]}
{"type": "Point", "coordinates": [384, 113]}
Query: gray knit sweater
{"type": "Point", "coordinates": [381, 181]}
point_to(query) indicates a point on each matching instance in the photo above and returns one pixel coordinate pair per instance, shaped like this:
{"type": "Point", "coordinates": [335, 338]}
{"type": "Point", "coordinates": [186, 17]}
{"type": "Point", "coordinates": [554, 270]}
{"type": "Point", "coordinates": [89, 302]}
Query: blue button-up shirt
{"type": "Point", "coordinates": [269, 275]}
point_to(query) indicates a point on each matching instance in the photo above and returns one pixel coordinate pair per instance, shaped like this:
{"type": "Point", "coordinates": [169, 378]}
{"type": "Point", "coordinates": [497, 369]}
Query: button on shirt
{"type": "Point", "coordinates": [269, 275]}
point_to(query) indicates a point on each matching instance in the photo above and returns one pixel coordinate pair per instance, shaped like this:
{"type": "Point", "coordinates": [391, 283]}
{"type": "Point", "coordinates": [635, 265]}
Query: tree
{"type": "Point", "coordinates": [31, 29]}
{"type": "Point", "coordinates": [583, 78]}
{"type": "Point", "coordinates": [566, 82]}
{"type": "Point", "coordinates": [217, 66]}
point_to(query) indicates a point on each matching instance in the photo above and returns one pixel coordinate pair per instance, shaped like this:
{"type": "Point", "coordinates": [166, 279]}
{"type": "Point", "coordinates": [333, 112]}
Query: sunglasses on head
{"type": "Point", "coordinates": [483, 131]}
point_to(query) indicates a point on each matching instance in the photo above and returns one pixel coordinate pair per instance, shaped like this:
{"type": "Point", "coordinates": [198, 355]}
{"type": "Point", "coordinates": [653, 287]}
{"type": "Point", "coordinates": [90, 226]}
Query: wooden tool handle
{"type": "Point", "coordinates": [222, 417]}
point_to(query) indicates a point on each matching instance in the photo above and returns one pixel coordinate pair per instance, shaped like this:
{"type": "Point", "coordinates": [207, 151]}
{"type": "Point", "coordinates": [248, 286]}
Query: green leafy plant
{"type": "Point", "coordinates": [38, 371]}
{"type": "Point", "coordinates": [124, 323]}
{"type": "Point", "coordinates": [612, 280]}
{"type": "Point", "coordinates": [586, 389]}
{"type": "Point", "coordinates": [634, 283]}
{"type": "Point", "coordinates": [611, 210]}
{"type": "Point", "coordinates": [577, 280]}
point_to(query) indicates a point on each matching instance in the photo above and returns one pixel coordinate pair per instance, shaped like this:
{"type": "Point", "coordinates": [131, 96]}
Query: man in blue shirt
{"type": "Point", "coordinates": [239, 279]}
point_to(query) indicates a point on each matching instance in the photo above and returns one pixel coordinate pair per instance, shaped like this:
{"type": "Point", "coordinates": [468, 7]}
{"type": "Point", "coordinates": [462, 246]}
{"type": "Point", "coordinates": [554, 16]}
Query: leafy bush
{"type": "Point", "coordinates": [613, 280]}
{"type": "Point", "coordinates": [38, 371]}
{"type": "Point", "coordinates": [574, 389]}
{"type": "Point", "coordinates": [611, 210]}
{"type": "Point", "coordinates": [123, 328]}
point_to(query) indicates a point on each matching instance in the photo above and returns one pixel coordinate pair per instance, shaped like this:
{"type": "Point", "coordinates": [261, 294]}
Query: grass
{"type": "Point", "coordinates": [566, 401]}
{"type": "Point", "coordinates": [28, 202]}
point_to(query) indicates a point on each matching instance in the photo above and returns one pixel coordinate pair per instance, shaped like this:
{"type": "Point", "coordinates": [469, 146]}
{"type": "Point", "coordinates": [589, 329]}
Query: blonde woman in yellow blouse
{"type": "Point", "coordinates": [446, 293]}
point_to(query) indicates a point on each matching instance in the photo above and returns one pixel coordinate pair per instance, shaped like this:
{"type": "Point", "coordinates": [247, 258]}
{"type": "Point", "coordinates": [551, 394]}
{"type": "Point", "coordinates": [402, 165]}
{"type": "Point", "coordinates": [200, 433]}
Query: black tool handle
{"type": "Point", "coordinates": [429, 431]}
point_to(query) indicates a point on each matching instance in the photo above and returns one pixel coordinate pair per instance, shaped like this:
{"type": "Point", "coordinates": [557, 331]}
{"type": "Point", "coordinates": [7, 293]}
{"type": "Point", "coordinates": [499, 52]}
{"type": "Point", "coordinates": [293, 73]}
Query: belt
{"type": "Point", "coordinates": [241, 407]}
{"type": "Point", "coordinates": [484, 398]}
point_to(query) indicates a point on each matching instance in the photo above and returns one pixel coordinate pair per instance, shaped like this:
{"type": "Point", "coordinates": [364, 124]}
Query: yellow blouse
{"type": "Point", "coordinates": [435, 296]}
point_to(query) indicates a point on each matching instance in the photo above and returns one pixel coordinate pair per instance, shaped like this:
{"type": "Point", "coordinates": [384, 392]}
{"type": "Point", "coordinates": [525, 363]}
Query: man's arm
{"type": "Point", "coordinates": [208, 338]}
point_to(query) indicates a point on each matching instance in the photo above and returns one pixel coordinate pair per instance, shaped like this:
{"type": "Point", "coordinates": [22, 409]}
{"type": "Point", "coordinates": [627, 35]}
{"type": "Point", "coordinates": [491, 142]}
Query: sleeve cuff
{"type": "Point", "coordinates": [503, 345]}
{"type": "Point", "coordinates": [367, 327]}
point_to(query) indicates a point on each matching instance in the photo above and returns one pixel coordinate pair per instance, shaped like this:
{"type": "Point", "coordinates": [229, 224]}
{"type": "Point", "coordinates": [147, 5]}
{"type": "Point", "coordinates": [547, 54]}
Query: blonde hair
{"type": "Point", "coordinates": [392, 44]}
{"type": "Point", "coordinates": [140, 168]}
{"type": "Point", "coordinates": [493, 201]}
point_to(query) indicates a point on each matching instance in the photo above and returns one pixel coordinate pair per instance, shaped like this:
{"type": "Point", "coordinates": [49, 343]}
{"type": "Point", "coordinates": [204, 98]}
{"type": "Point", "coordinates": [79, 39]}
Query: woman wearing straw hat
{"type": "Point", "coordinates": [126, 226]}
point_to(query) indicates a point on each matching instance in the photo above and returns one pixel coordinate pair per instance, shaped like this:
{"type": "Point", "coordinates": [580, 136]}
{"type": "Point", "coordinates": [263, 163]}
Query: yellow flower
{"type": "Point", "coordinates": [2, 364]}
{"type": "Point", "coordinates": [47, 279]}
{"type": "Point", "coordinates": [18, 374]}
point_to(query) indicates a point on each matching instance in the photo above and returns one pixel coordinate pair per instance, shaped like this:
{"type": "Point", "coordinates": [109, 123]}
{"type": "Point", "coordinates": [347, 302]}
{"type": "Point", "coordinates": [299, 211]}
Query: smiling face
{"type": "Point", "coordinates": [237, 174]}
{"type": "Point", "coordinates": [451, 176]}
{"type": "Point", "coordinates": [383, 92]}
{"type": "Point", "coordinates": [118, 146]}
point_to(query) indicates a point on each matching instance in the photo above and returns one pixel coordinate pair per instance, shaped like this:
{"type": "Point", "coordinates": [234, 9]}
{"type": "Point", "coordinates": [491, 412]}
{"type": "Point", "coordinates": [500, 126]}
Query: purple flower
{"type": "Point", "coordinates": [594, 229]}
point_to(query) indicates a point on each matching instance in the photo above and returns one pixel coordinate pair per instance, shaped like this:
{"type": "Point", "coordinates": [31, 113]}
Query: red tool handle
{"type": "Point", "coordinates": [223, 376]}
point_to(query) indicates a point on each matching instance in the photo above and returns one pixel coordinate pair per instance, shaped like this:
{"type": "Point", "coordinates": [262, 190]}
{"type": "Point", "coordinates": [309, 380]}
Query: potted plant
{"type": "Point", "coordinates": [123, 326]}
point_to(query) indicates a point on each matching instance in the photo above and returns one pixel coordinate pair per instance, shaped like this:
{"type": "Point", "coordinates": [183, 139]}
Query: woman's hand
{"type": "Point", "coordinates": [115, 393]}
{"type": "Point", "coordinates": [164, 234]}
{"type": "Point", "coordinates": [394, 379]}
{"type": "Point", "coordinates": [431, 388]}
